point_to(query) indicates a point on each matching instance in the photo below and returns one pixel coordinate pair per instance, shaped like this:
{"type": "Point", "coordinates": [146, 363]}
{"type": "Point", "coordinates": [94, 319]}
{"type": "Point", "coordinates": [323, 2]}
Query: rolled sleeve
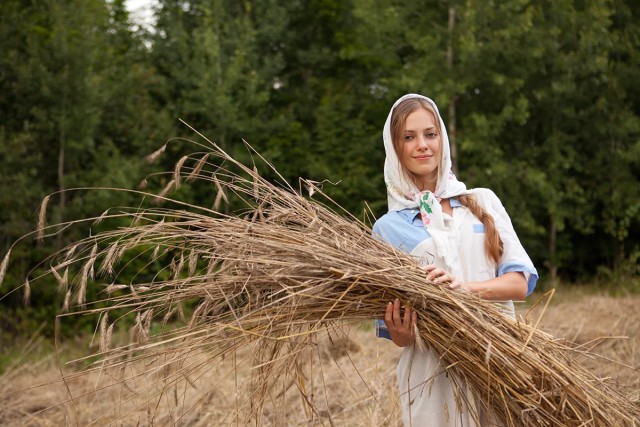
{"type": "Point", "coordinates": [529, 271]}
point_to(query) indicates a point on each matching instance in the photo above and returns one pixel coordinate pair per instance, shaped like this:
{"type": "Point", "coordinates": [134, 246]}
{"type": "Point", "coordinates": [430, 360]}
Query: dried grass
{"type": "Point", "coordinates": [607, 329]}
{"type": "Point", "coordinates": [353, 384]}
{"type": "Point", "coordinates": [275, 278]}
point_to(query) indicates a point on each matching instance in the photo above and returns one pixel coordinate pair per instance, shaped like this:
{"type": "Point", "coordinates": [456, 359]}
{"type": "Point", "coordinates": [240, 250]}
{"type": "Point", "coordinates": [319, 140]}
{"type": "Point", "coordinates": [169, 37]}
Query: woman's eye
{"type": "Point", "coordinates": [408, 137]}
{"type": "Point", "coordinates": [431, 135]}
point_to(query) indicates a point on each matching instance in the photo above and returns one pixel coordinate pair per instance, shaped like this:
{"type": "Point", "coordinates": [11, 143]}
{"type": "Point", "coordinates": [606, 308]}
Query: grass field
{"type": "Point", "coordinates": [351, 380]}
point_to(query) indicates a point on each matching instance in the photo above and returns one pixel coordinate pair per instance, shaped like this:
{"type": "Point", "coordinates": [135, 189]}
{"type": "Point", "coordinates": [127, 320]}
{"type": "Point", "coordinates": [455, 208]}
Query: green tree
{"type": "Point", "coordinates": [531, 92]}
{"type": "Point", "coordinates": [214, 75]}
{"type": "Point", "coordinates": [550, 111]}
{"type": "Point", "coordinates": [76, 112]}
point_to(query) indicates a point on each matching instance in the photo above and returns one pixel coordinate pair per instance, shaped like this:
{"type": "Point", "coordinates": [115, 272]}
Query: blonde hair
{"type": "Point", "coordinates": [493, 244]}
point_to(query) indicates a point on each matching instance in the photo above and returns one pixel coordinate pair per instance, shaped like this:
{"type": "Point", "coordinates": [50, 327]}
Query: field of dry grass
{"type": "Point", "coordinates": [601, 323]}
{"type": "Point", "coordinates": [350, 379]}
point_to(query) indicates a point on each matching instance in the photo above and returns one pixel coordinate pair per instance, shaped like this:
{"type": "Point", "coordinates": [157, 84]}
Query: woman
{"type": "Point", "coordinates": [464, 239]}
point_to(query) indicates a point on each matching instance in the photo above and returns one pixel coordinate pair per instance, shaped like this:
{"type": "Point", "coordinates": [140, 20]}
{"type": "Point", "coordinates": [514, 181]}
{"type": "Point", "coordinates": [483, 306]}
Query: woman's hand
{"type": "Point", "coordinates": [401, 328]}
{"type": "Point", "coordinates": [441, 276]}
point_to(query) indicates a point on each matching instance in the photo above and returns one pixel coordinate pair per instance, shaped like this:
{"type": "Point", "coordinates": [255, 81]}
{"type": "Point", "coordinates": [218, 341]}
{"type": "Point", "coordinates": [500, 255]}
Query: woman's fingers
{"type": "Point", "coordinates": [433, 271]}
{"type": "Point", "coordinates": [393, 314]}
{"type": "Point", "coordinates": [406, 322]}
{"type": "Point", "coordinates": [397, 319]}
{"type": "Point", "coordinates": [400, 325]}
{"type": "Point", "coordinates": [388, 315]}
{"type": "Point", "coordinates": [439, 275]}
{"type": "Point", "coordinates": [429, 267]}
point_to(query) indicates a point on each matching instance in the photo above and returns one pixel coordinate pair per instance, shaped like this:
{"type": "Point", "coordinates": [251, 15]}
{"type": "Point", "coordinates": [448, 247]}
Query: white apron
{"type": "Point", "coordinates": [429, 395]}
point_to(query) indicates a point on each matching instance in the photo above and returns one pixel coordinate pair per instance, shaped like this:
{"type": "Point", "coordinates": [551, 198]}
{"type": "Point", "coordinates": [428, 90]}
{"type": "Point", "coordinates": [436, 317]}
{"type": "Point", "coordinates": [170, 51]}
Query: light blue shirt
{"type": "Point", "coordinates": [404, 230]}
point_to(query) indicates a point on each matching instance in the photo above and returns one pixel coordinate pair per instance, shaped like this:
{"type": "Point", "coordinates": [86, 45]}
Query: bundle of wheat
{"type": "Point", "coordinates": [286, 269]}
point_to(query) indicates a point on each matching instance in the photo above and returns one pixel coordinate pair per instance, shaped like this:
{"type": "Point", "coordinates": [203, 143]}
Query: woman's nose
{"type": "Point", "coordinates": [422, 141]}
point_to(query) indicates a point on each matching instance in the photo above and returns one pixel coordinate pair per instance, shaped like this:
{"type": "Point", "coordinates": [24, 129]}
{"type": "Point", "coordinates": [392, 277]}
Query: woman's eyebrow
{"type": "Point", "coordinates": [414, 130]}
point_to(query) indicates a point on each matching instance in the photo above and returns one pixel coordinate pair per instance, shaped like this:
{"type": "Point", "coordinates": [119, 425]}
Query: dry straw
{"type": "Point", "coordinates": [286, 268]}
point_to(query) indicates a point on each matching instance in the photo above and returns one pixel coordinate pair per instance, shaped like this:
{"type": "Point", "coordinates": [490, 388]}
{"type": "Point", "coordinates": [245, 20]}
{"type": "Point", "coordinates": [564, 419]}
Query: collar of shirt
{"type": "Point", "coordinates": [411, 215]}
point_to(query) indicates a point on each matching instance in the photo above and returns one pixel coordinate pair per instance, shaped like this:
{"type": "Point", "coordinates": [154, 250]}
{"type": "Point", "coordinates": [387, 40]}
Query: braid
{"type": "Point", "coordinates": [492, 242]}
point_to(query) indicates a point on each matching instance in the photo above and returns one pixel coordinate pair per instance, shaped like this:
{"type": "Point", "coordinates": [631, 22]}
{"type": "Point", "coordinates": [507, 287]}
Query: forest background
{"type": "Point", "coordinates": [541, 99]}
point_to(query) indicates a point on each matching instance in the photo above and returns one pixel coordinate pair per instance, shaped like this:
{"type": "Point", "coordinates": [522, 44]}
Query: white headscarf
{"type": "Point", "coordinates": [403, 193]}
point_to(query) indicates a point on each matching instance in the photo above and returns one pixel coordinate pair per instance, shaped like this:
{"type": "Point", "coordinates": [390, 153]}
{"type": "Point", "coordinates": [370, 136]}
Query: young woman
{"type": "Point", "coordinates": [463, 238]}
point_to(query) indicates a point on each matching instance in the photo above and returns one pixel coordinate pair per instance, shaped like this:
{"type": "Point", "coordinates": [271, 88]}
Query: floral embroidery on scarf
{"type": "Point", "coordinates": [425, 207]}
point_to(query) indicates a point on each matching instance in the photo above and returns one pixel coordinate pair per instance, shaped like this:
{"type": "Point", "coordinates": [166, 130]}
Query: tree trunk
{"type": "Point", "coordinates": [61, 184]}
{"type": "Point", "coordinates": [62, 136]}
{"type": "Point", "coordinates": [553, 265]}
{"type": "Point", "coordinates": [452, 100]}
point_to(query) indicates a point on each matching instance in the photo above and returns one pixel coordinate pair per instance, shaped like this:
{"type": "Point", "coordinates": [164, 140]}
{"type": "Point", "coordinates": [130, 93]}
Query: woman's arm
{"type": "Point", "coordinates": [509, 286]}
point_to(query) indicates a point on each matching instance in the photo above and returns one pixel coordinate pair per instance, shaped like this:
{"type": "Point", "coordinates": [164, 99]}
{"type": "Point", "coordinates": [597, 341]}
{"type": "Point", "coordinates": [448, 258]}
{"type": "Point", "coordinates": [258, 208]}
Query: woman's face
{"type": "Point", "coordinates": [420, 148]}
